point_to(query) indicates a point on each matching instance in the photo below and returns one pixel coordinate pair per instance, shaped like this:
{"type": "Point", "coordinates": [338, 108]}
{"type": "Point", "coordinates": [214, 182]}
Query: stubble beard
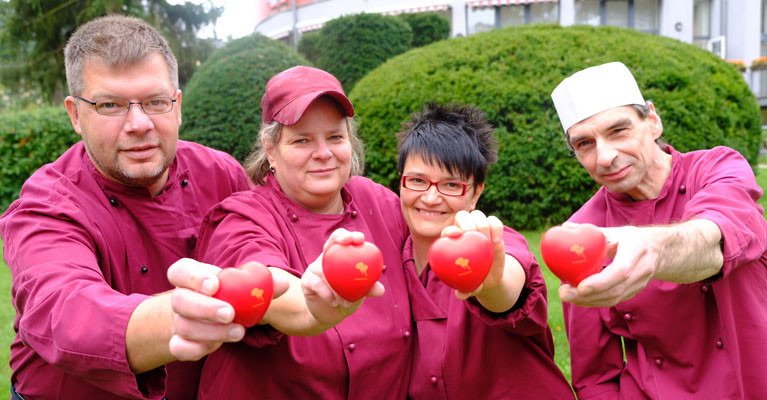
{"type": "Point", "coordinates": [143, 177]}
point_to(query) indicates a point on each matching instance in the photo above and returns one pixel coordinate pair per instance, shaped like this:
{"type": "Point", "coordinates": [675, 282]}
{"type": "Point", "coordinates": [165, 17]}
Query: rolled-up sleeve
{"type": "Point", "coordinates": [727, 195]}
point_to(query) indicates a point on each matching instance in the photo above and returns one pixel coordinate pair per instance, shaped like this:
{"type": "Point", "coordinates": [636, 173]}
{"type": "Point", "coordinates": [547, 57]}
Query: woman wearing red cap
{"type": "Point", "coordinates": [305, 165]}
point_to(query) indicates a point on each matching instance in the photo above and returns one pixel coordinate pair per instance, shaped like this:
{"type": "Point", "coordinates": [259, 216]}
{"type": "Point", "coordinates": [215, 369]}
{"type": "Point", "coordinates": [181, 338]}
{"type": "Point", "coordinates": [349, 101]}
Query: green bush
{"type": "Point", "coordinates": [427, 27]}
{"type": "Point", "coordinates": [510, 73]}
{"type": "Point", "coordinates": [28, 140]}
{"type": "Point", "coordinates": [222, 102]}
{"type": "Point", "coordinates": [307, 46]}
{"type": "Point", "coordinates": [352, 45]}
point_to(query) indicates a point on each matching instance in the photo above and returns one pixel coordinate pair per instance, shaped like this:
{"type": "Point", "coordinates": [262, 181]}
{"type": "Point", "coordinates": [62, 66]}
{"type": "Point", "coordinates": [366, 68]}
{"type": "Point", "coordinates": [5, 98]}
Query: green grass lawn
{"type": "Point", "coordinates": [7, 315]}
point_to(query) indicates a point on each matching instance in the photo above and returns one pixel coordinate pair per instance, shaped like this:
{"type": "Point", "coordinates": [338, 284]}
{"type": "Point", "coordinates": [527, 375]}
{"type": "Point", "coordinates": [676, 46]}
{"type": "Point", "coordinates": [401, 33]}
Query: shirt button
{"type": "Point", "coordinates": [682, 189]}
{"type": "Point", "coordinates": [351, 346]}
{"type": "Point", "coordinates": [627, 316]}
{"type": "Point", "coordinates": [113, 202]}
{"type": "Point", "coordinates": [434, 380]}
{"type": "Point", "coordinates": [719, 343]}
{"type": "Point", "coordinates": [383, 268]}
{"type": "Point", "coordinates": [144, 270]}
{"type": "Point", "coordinates": [704, 288]}
{"type": "Point", "coordinates": [406, 334]}
{"type": "Point", "coordinates": [659, 361]}
{"type": "Point", "coordinates": [354, 214]}
{"type": "Point", "coordinates": [293, 217]}
{"type": "Point", "coordinates": [184, 183]}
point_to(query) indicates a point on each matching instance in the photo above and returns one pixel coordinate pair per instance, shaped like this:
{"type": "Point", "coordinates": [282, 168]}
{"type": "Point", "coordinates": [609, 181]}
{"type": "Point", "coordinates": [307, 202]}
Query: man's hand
{"type": "Point", "coordinates": [202, 323]}
{"type": "Point", "coordinates": [682, 253]}
{"type": "Point", "coordinates": [635, 262]}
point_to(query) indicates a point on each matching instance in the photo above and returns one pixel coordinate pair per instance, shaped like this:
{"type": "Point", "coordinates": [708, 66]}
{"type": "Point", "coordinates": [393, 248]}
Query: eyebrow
{"type": "Point", "coordinates": [151, 95]}
{"type": "Point", "coordinates": [621, 123]}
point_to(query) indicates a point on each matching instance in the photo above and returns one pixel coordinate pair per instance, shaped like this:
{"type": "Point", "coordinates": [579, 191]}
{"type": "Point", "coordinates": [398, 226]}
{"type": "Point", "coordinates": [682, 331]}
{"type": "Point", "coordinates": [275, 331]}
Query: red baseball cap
{"type": "Point", "coordinates": [289, 93]}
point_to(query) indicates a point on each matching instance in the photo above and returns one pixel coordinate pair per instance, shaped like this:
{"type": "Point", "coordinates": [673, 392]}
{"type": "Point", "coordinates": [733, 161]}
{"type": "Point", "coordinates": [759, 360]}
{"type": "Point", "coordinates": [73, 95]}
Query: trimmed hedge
{"type": "Point", "coordinates": [29, 140]}
{"type": "Point", "coordinates": [222, 102]}
{"type": "Point", "coordinates": [510, 73]}
{"type": "Point", "coordinates": [427, 27]}
{"type": "Point", "coordinates": [352, 45]}
{"type": "Point", "coordinates": [307, 46]}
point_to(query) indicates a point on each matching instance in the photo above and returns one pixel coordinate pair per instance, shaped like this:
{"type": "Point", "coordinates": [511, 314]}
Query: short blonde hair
{"type": "Point", "coordinates": [115, 40]}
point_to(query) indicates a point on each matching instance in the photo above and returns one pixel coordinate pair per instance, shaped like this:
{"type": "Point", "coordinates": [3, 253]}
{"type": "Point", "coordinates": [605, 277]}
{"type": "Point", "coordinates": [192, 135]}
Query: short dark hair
{"type": "Point", "coordinates": [456, 137]}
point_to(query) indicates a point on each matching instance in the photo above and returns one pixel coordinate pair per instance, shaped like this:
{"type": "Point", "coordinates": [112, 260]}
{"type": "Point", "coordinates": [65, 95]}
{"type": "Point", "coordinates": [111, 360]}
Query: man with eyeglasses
{"type": "Point", "coordinates": [93, 234]}
{"type": "Point", "coordinates": [680, 309]}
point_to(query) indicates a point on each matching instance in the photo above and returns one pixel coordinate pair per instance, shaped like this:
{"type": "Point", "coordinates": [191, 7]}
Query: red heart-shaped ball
{"type": "Point", "coordinates": [249, 289]}
{"type": "Point", "coordinates": [462, 261]}
{"type": "Point", "coordinates": [573, 254]}
{"type": "Point", "coordinates": [352, 270]}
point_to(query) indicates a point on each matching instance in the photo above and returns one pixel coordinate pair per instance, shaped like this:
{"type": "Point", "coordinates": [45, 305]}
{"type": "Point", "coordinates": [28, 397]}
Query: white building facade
{"type": "Point", "coordinates": [733, 29]}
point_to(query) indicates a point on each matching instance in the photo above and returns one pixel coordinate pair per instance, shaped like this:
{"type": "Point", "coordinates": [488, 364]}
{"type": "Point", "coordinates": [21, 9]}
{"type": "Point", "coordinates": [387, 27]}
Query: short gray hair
{"type": "Point", "coordinates": [257, 165]}
{"type": "Point", "coordinates": [114, 40]}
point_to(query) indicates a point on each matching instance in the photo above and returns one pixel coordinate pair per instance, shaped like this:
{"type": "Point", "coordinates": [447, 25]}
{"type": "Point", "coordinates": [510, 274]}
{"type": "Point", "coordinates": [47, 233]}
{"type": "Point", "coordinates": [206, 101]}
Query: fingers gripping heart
{"type": "Point", "coordinates": [574, 253]}
{"type": "Point", "coordinates": [462, 262]}
{"type": "Point", "coordinates": [249, 289]}
{"type": "Point", "coordinates": [352, 270]}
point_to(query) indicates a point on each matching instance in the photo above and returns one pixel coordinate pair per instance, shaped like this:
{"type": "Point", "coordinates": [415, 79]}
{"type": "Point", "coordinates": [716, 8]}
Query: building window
{"type": "Point", "coordinates": [638, 14]}
{"type": "Point", "coordinates": [513, 15]}
{"type": "Point", "coordinates": [646, 15]}
{"type": "Point", "coordinates": [617, 13]}
{"type": "Point", "coordinates": [587, 12]}
{"type": "Point", "coordinates": [480, 19]}
{"type": "Point", "coordinates": [763, 51]}
{"type": "Point", "coordinates": [543, 13]}
{"type": "Point", "coordinates": [701, 23]}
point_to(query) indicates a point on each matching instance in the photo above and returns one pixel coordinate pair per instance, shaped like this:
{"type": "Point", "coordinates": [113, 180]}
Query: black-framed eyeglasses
{"type": "Point", "coordinates": [448, 188]}
{"type": "Point", "coordinates": [117, 107]}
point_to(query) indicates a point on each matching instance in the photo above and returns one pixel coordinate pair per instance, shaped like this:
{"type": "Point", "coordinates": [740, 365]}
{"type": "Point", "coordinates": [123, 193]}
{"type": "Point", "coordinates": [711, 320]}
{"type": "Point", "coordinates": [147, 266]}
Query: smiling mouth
{"type": "Point", "coordinates": [430, 213]}
{"type": "Point", "coordinates": [617, 174]}
{"type": "Point", "coordinates": [322, 171]}
{"type": "Point", "coordinates": [140, 152]}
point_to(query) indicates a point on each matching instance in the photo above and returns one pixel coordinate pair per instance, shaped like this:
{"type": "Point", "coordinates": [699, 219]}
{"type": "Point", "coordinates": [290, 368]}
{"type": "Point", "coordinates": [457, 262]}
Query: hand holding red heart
{"type": "Point", "coordinates": [201, 323]}
{"type": "Point", "coordinates": [248, 289]}
{"type": "Point", "coordinates": [325, 303]}
{"type": "Point", "coordinates": [573, 252]}
{"type": "Point", "coordinates": [499, 290]}
{"type": "Point", "coordinates": [635, 254]}
{"type": "Point", "coordinates": [462, 260]}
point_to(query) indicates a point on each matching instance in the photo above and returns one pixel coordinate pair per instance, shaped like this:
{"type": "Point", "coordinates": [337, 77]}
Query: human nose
{"type": "Point", "coordinates": [137, 120]}
{"type": "Point", "coordinates": [606, 153]}
{"type": "Point", "coordinates": [431, 195]}
{"type": "Point", "coordinates": [323, 150]}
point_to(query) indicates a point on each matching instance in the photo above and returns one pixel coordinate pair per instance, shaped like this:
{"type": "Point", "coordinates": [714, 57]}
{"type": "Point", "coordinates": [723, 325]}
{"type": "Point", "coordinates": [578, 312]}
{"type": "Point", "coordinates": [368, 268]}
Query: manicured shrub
{"type": "Point", "coordinates": [307, 46]}
{"type": "Point", "coordinates": [28, 140]}
{"type": "Point", "coordinates": [427, 27]}
{"type": "Point", "coordinates": [510, 73]}
{"type": "Point", "coordinates": [222, 102]}
{"type": "Point", "coordinates": [352, 45]}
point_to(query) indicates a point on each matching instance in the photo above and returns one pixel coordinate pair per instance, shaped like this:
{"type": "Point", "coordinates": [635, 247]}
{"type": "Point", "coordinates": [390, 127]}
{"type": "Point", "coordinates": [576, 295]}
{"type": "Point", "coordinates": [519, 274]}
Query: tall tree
{"type": "Point", "coordinates": [33, 34]}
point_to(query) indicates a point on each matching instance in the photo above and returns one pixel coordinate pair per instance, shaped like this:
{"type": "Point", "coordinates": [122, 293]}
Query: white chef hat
{"type": "Point", "coordinates": [593, 90]}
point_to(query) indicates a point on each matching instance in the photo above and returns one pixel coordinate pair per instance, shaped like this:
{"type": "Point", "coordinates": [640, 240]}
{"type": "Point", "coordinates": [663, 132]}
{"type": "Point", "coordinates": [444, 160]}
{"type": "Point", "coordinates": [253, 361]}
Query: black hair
{"type": "Point", "coordinates": [456, 137]}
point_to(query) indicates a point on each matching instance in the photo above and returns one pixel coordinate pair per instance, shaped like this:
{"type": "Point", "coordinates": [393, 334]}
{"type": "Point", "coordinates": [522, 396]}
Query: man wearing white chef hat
{"type": "Point", "coordinates": [684, 290]}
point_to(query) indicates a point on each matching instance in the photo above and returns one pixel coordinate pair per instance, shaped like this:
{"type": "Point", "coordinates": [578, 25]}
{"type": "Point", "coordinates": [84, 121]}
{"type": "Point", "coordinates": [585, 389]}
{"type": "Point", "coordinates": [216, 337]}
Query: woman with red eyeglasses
{"type": "Point", "coordinates": [494, 342]}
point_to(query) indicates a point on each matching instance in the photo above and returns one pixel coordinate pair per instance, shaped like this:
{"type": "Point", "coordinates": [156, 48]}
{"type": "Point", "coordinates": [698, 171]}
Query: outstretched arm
{"type": "Point", "coordinates": [682, 253]}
